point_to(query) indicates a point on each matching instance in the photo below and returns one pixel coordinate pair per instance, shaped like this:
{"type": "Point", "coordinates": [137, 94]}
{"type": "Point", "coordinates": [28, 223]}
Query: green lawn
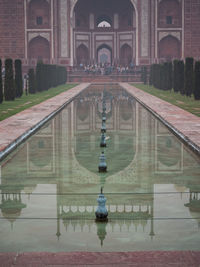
{"type": "Point", "coordinates": [184, 102]}
{"type": "Point", "coordinates": [9, 108]}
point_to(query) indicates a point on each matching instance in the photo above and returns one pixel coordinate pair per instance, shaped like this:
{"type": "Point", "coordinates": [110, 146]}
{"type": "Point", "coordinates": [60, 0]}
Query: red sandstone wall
{"type": "Point", "coordinates": [192, 28]}
{"type": "Point", "coordinates": [12, 29]}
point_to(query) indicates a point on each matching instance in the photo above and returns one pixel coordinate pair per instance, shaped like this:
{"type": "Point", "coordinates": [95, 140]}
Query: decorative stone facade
{"type": "Point", "coordinates": [69, 32]}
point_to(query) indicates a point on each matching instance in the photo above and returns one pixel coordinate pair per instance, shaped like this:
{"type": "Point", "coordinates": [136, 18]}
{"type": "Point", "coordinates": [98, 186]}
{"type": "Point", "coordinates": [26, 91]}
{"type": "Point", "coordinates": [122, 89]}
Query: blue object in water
{"type": "Point", "coordinates": [101, 212]}
{"type": "Point", "coordinates": [103, 140]}
{"type": "Point", "coordinates": [102, 163]}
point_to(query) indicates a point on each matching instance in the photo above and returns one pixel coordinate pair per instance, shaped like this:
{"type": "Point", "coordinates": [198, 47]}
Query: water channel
{"type": "Point", "coordinates": [50, 183]}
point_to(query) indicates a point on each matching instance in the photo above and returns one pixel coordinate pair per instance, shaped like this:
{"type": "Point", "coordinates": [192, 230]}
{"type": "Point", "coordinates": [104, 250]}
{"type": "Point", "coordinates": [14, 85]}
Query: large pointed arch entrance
{"type": "Point", "coordinates": [86, 27]}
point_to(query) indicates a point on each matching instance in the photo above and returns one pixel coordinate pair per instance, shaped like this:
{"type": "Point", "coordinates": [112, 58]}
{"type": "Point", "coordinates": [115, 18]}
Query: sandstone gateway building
{"type": "Point", "coordinates": [70, 32]}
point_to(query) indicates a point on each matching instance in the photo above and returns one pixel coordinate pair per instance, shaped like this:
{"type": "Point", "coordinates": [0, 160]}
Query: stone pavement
{"type": "Point", "coordinates": [181, 122]}
{"type": "Point", "coordinates": [100, 259]}
{"type": "Point", "coordinates": [17, 128]}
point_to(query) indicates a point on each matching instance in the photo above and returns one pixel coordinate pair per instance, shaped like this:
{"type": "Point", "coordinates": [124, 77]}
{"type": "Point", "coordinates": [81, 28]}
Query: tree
{"type": "Point", "coordinates": [169, 76]}
{"type": "Point", "coordinates": [197, 81]}
{"type": "Point", "coordinates": [145, 75]}
{"type": "Point", "coordinates": [188, 85]}
{"type": "Point", "coordinates": [9, 85]}
{"type": "Point", "coordinates": [39, 78]}
{"type": "Point", "coordinates": [151, 75]}
{"type": "Point", "coordinates": [31, 84]}
{"type": "Point", "coordinates": [181, 76]}
{"type": "Point", "coordinates": [18, 78]}
{"type": "Point", "coordinates": [142, 74]}
{"type": "Point", "coordinates": [1, 85]}
{"type": "Point", "coordinates": [175, 76]}
{"type": "Point", "coordinates": [178, 76]}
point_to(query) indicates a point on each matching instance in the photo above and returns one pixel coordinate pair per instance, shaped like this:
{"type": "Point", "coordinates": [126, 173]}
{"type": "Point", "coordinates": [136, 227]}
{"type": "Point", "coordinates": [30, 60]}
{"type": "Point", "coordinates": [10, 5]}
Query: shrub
{"type": "Point", "coordinates": [163, 76]}
{"type": "Point", "coordinates": [175, 76]}
{"type": "Point", "coordinates": [169, 76]}
{"type": "Point", "coordinates": [9, 85]}
{"type": "Point", "coordinates": [18, 78]}
{"type": "Point", "coordinates": [188, 81]}
{"type": "Point", "coordinates": [145, 75]}
{"type": "Point", "coordinates": [151, 75]}
{"type": "Point", "coordinates": [1, 85]}
{"type": "Point", "coordinates": [180, 76]}
{"type": "Point", "coordinates": [197, 81]}
{"type": "Point", "coordinates": [39, 78]}
{"type": "Point", "coordinates": [31, 84]}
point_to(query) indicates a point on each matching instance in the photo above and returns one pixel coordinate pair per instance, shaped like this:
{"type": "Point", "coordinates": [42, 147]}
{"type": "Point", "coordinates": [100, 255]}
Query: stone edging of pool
{"type": "Point", "coordinates": [17, 128]}
{"type": "Point", "coordinates": [182, 123]}
{"type": "Point", "coordinates": [137, 258]}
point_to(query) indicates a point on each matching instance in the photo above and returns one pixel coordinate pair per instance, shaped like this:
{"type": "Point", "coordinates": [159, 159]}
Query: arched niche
{"type": "Point", "coordinates": [126, 55]}
{"type": "Point", "coordinates": [38, 14]}
{"type": "Point", "coordinates": [39, 48]}
{"type": "Point", "coordinates": [169, 48]}
{"type": "Point", "coordinates": [169, 13]}
{"type": "Point", "coordinates": [82, 54]}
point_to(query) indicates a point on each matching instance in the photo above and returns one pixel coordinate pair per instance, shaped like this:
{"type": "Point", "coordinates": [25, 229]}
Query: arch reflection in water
{"type": "Point", "coordinates": [152, 177]}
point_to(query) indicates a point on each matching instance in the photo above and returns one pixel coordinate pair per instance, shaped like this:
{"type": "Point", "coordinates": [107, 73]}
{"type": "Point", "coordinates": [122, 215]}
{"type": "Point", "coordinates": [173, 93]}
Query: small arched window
{"type": "Point", "coordinates": [104, 22]}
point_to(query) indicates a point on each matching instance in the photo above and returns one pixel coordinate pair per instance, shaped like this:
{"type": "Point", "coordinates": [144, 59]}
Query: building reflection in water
{"type": "Point", "coordinates": [141, 153]}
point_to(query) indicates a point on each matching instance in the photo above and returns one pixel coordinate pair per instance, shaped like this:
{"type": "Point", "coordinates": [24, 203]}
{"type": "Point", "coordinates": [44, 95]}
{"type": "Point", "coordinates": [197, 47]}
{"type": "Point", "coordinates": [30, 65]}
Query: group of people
{"type": "Point", "coordinates": [106, 68]}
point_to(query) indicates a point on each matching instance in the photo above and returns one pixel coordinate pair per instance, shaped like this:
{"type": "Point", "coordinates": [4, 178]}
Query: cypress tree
{"type": "Point", "coordinates": [31, 84]}
{"type": "Point", "coordinates": [188, 85]}
{"type": "Point", "coordinates": [144, 75]}
{"type": "Point", "coordinates": [18, 78]}
{"type": "Point", "coordinates": [151, 75]}
{"type": "Point", "coordinates": [1, 85]}
{"type": "Point", "coordinates": [197, 81]}
{"type": "Point", "coordinates": [168, 76]}
{"type": "Point", "coordinates": [175, 76]}
{"type": "Point", "coordinates": [9, 85]}
{"type": "Point", "coordinates": [161, 79]}
{"type": "Point", "coordinates": [39, 77]}
{"type": "Point", "coordinates": [154, 75]}
{"type": "Point", "coordinates": [180, 76]}
{"type": "Point", "coordinates": [158, 75]}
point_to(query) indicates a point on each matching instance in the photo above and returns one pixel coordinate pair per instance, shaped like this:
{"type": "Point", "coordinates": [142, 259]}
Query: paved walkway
{"type": "Point", "coordinates": [183, 123]}
{"type": "Point", "coordinates": [117, 259]}
{"type": "Point", "coordinates": [16, 128]}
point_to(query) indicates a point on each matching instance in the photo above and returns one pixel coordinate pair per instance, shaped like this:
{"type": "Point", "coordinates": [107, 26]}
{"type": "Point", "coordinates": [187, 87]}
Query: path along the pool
{"type": "Point", "coordinates": [181, 122]}
{"type": "Point", "coordinates": [17, 128]}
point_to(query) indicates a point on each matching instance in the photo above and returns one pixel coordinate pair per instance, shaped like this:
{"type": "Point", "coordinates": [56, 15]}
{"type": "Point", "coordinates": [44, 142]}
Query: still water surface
{"type": "Point", "coordinates": [49, 185]}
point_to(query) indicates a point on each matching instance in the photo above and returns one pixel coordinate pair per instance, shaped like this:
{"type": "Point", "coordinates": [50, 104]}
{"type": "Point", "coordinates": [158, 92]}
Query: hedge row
{"type": "Point", "coordinates": [13, 83]}
{"type": "Point", "coordinates": [182, 77]}
{"type": "Point", "coordinates": [46, 76]}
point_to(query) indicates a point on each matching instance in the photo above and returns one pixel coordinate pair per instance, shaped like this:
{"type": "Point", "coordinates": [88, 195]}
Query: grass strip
{"type": "Point", "coordinates": [9, 108]}
{"type": "Point", "coordinates": [182, 101]}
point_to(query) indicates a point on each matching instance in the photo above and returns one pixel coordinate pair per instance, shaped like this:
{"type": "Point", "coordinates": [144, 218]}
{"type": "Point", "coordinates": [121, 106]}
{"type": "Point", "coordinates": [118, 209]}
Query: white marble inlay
{"type": "Point", "coordinates": [63, 24]}
{"type": "Point", "coordinates": [174, 34]}
{"type": "Point", "coordinates": [32, 35]}
{"type": "Point", "coordinates": [144, 28]}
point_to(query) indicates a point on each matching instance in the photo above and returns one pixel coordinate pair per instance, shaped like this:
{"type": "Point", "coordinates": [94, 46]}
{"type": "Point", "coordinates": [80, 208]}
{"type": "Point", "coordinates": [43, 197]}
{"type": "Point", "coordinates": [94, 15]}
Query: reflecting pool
{"type": "Point", "coordinates": [49, 184]}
